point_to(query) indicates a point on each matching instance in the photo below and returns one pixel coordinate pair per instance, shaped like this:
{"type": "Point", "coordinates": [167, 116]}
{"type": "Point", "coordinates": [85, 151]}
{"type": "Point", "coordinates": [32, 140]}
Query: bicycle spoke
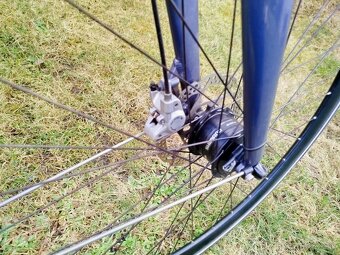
{"type": "Point", "coordinates": [294, 68]}
{"type": "Point", "coordinates": [125, 189]}
{"type": "Point", "coordinates": [86, 241]}
{"type": "Point", "coordinates": [169, 229]}
{"type": "Point", "coordinates": [310, 25]}
{"type": "Point", "coordinates": [202, 50]}
{"type": "Point", "coordinates": [11, 191]}
{"type": "Point", "coordinates": [108, 28]}
{"type": "Point", "coordinates": [237, 90]}
{"type": "Point", "coordinates": [151, 194]}
{"type": "Point", "coordinates": [84, 115]}
{"type": "Point", "coordinates": [157, 207]}
{"type": "Point", "coordinates": [273, 149]}
{"type": "Point", "coordinates": [121, 239]}
{"type": "Point", "coordinates": [164, 200]}
{"type": "Point", "coordinates": [294, 111]}
{"type": "Point", "coordinates": [167, 87]}
{"type": "Point", "coordinates": [231, 41]}
{"type": "Point", "coordinates": [294, 19]}
{"type": "Point", "coordinates": [66, 171]}
{"type": "Point", "coordinates": [66, 108]}
{"type": "Point", "coordinates": [284, 133]}
{"type": "Point", "coordinates": [303, 82]}
{"type": "Point", "coordinates": [68, 147]}
{"type": "Point", "coordinates": [188, 217]}
{"type": "Point", "coordinates": [191, 201]}
{"type": "Point", "coordinates": [322, 82]}
{"type": "Point", "coordinates": [316, 32]}
{"type": "Point", "coordinates": [199, 174]}
{"type": "Point", "coordinates": [228, 67]}
{"type": "Point", "coordinates": [172, 228]}
{"type": "Point", "coordinates": [93, 180]}
{"type": "Point", "coordinates": [81, 173]}
{"type": "Point", "coordinates": [228, 83]}
{"type": "Point", "coordinates": [229, 198]}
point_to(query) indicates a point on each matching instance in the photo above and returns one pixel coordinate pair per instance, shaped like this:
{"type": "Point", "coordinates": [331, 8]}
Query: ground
{"type": "Point", "coordinates": [52, 49]}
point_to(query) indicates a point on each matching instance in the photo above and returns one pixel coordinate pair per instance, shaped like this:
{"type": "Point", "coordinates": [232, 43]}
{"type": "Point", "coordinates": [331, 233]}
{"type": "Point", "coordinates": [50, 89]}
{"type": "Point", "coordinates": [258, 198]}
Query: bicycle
{"type": "Point", "coordinates": [218, 137]}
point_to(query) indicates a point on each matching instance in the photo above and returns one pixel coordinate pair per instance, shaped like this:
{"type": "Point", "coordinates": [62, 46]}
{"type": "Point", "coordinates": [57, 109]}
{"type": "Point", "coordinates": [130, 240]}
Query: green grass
{"type": "Point", "coordinates": [52, 49]}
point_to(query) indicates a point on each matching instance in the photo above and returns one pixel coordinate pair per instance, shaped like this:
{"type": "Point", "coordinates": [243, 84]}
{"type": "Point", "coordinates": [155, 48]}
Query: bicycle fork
{"type": "Point", "coordinates": [264, 35]}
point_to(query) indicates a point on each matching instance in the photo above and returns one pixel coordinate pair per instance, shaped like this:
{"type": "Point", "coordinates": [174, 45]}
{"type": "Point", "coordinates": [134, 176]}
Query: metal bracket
{"type": "Point", "coordinates": [258, 171]}
{"type": "Point", "coordinates": [166, 116]}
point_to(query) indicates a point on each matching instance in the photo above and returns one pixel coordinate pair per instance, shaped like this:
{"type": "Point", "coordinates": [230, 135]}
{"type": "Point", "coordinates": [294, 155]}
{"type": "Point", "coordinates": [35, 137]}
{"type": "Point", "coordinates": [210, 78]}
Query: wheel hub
{"type": "Point", "coordinates": [218, 136]}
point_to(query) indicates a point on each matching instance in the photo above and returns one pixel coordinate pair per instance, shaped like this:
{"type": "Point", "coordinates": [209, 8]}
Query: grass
{"type": "Point", "coordinates": [54, 50]}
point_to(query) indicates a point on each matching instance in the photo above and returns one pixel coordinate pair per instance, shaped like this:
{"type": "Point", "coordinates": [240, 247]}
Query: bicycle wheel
{"type": "Point", "coordinates": [127, 199]}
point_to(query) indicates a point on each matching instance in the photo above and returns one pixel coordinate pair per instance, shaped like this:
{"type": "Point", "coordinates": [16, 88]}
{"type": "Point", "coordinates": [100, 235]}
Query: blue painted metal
{"type": "Point", "coordinates": [265, 28]}
{"type": "Point", "coordinates": [186, 50]}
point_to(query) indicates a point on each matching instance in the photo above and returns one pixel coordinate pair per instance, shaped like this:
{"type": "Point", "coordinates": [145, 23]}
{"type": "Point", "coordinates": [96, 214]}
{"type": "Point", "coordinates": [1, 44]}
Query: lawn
{"type": "Point", "coordinates": [52, 49]}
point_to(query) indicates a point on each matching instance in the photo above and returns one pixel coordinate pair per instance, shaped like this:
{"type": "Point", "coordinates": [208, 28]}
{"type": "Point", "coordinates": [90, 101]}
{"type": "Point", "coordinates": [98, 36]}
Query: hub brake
{"type": "Point", "coordinates": [212, 132]}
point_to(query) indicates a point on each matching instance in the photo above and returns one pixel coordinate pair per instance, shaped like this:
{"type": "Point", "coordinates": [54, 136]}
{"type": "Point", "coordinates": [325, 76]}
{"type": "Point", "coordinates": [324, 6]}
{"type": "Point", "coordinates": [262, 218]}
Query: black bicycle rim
{"type": "Point", "coordinates": [322, 116]}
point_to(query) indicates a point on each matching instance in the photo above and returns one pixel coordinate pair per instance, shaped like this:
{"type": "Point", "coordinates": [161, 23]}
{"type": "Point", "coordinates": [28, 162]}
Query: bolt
{"type": "Point", "coordinates": [229, 167]}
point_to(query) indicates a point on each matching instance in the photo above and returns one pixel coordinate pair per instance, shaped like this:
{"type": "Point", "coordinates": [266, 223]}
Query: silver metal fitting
{"type": "Point", "coordinates": [166, 116]}
{"type": "Point", "coordinates": [229, 167]}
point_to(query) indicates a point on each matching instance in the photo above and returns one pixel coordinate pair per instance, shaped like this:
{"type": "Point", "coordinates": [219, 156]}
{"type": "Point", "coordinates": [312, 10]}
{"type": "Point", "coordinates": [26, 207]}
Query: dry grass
{"type": "Point", "coordinates": [52, 49]}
